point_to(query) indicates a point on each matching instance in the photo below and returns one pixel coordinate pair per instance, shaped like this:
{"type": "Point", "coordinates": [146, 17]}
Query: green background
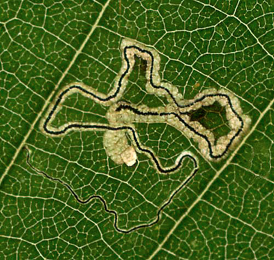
{"type": "Point", "coordinates": [226, 212]}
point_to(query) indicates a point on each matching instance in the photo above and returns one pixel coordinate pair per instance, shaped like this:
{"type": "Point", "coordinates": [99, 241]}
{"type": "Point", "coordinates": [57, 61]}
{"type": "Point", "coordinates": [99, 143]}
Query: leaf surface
{"type": "Point", "coordinates": [224, 212]}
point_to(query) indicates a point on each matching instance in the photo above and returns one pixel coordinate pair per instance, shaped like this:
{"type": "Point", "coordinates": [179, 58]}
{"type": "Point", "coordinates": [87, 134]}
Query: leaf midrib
{"type": "Point", "coordinates": [211, 181]}
{"type": "Point", "coordinates": [53, 92]}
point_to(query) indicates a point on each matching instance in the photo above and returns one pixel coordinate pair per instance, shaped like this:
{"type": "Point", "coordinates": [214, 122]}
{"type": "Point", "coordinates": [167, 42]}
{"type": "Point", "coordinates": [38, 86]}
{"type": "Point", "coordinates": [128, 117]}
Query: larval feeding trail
{"type": "Point", "coordinates": [113, 212]}
{"type": "Point", "coordinates": [122, 116]}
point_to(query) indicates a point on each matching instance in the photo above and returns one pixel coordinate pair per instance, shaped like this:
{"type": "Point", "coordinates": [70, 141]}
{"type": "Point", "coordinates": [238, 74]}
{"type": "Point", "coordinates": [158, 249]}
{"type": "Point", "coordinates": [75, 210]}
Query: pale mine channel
{"type": "Point", "coordinates": [122, 116]}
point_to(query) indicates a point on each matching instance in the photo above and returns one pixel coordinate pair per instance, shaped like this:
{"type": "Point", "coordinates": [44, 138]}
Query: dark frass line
{"type": "Point", "coordinates": [108, 98]}
{"type": "Point", "coordinates": [135, 137]}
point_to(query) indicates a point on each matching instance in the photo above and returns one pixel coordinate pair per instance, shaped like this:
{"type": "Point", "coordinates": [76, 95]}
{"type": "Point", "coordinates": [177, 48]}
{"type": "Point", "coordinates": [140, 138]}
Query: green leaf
{"type": "Point", "coordinates": [66, 196]}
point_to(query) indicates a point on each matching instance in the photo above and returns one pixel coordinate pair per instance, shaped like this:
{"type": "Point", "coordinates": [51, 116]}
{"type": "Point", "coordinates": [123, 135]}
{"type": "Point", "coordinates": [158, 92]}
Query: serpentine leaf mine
{"type": "Point", "coordinates": [122, 116]}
